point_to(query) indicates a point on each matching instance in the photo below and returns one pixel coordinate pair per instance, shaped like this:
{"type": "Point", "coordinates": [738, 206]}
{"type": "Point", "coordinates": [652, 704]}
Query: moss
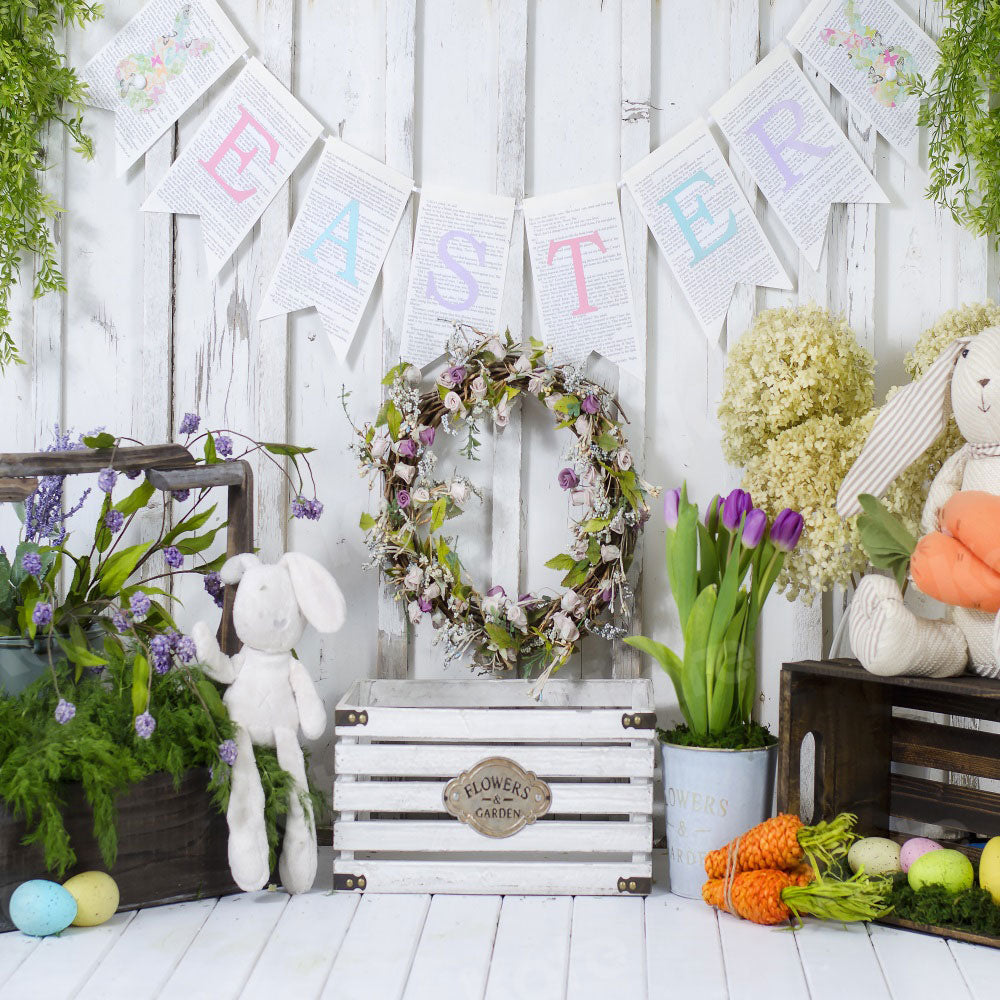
{"type": "Point", "coordinates": [970, 910]}
{"type": "Point", "coordinates": [739, 737]}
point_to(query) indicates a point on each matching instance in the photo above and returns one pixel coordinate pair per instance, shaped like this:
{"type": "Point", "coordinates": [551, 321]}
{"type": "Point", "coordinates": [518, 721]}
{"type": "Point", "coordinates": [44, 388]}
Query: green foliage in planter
{"type": "Point", "coordinates": [964, 143]}
{"type": "Point", "coordinates": [38, 90]}
{"type": "Point", "coordinates": [100, 748]}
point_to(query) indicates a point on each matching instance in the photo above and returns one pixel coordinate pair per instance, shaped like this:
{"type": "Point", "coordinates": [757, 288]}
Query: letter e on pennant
{"type": "Point", "coordinates": [245, 156]}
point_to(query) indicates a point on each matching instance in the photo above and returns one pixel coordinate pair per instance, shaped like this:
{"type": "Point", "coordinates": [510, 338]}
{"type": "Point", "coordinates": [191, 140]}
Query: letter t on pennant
{"type": "Point", "coordinates": [575, 243]}
{"type": "Point", "coordinates": [245, 156]}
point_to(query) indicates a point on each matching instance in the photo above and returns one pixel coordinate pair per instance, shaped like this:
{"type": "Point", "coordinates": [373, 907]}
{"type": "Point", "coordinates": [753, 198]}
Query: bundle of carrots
{"type": "Point", "coordinates": [773, 872]}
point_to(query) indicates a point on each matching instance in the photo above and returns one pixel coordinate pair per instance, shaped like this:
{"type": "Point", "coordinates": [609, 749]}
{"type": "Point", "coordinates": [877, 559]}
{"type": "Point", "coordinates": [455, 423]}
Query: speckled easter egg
{"type": "Point", "coordinates": [913, 849]}
{"type": "Point", "coordinates": [950, 869]}
{"type": "Point", "coordinates": [96, 895]}
{"type": "Point", "coordinates": [876, 855]}
{"type": "Point", "coordinates": [41, 908]}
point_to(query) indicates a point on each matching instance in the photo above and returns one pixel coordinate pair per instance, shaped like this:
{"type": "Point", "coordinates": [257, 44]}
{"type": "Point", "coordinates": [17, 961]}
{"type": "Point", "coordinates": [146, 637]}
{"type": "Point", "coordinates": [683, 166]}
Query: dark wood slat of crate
{"type": "Point", "coordinates": [172, 844]}
{"type": "Point", "coordinates": [950, 748]}
{"type": "Point", "coordinates": [17, 490]}
{"type": "Point", "coordinates": [945, 805]}
{"type": "Point", "coordinates": [47, 463]}
{"type": "Point", "coordinates": [948, 932]}
{"type": "Point", "coordinates": [968, 685]}
{"type": "Point", "coordinates": [851, 721]}
{"type": "Point", "coordinates": [968, 706]}
{"type": "Point", "coordinates": [198, 476]}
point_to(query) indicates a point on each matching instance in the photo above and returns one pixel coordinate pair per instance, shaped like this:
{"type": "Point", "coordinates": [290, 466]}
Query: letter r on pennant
{"type": "Point", "coordinates": [774, 146]}
{"type": "Point", "coordinates": [245, 156]}
{"type": "Point", "coordinates": [575, 243]}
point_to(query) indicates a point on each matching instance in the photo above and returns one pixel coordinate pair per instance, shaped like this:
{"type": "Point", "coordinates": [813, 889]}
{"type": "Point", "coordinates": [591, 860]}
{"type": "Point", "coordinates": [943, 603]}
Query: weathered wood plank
{"type": "Point", "coordinates": [46, 463]}
{"type": "Point", "coordinates": [602, 965]}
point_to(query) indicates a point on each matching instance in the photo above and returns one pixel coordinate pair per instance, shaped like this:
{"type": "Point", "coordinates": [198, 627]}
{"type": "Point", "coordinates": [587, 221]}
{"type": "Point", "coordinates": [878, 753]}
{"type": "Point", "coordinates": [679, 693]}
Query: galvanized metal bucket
{"type": "Point", "coordinates": [711, 797]}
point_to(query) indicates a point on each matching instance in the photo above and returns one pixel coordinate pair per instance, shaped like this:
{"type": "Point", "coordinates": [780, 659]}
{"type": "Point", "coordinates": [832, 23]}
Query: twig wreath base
{"type": "Point", "coordinates": [608, 502]}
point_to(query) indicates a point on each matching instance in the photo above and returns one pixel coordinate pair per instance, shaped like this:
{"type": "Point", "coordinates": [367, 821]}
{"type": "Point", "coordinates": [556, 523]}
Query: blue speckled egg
{"type": "Point", "coordinates": [40, 908]}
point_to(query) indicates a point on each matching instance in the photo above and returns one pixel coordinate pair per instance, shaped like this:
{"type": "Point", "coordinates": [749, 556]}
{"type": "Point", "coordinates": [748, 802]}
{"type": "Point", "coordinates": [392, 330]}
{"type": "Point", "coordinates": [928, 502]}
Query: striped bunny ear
{"type": "Point", "coordinates": [903, 431]}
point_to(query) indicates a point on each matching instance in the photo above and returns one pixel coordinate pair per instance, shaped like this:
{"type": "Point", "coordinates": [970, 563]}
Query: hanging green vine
{"type": "Point", "coordinates": [38, 89]}
{"type": "Point", "coordinates": [964, 142]}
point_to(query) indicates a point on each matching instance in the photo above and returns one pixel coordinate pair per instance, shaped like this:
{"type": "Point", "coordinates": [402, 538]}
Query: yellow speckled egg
{"type": "Point", "coordinates": [989, 869]}
{"type": "Point", "coordinates": [96, 895]}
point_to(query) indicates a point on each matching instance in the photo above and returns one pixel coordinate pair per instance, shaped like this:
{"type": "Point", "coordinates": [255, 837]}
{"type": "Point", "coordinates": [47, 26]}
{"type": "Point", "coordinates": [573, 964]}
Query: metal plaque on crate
{"type": "Point", "coordinates": [497, 797]}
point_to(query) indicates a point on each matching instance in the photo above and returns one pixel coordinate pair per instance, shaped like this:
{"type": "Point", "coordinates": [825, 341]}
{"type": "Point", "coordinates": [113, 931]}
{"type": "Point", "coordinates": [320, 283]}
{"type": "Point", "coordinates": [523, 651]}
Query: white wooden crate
{"type": "Point", "coordinates": [399, 742]}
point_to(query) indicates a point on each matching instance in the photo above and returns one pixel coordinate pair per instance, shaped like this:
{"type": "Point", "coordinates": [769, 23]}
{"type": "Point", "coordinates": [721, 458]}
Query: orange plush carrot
{"type": "Point", "coordinates": [973, 518]}
{"type": "Point", "coordinates": [769, 896]}
{"type": "Point", "coordinates": [944, 568]}
{"type": "Point", "coordinates": [783, 842]}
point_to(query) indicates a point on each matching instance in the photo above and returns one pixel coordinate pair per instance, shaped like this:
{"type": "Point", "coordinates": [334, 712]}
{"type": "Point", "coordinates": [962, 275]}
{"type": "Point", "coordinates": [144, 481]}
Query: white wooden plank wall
{"type": "Point", "coordinates": [519, 96]}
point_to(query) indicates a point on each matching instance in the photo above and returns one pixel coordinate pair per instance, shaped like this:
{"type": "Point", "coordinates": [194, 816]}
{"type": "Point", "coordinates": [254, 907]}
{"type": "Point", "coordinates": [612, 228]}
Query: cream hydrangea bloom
{"type": "Point", "coordinates": [792, 365]}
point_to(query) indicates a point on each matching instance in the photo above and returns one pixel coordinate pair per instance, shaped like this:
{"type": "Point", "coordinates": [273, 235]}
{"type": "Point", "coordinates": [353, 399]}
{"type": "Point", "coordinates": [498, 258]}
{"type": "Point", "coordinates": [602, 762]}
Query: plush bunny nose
{"type": "Point", "coordinates": [984, 382]}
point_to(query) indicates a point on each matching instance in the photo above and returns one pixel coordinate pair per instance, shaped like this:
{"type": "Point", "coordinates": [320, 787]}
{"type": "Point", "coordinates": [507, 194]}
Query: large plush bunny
{"type": "Point", "coordinates": [270, 695]}
{"type": "Point", "coordinates": [961, 540]}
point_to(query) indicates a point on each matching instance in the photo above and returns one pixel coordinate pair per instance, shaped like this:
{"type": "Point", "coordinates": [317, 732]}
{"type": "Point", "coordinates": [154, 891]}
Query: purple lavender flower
{"type": "Point", "coordinates": [185, 649]}
{"type": "Point", "coordinates": [591, 404]}
{"type": "Point", "coordinates": [144, 725]}
{"type": "Point", "coordinates": [309, 509]}
{"type": "Point", "coordinates": [228, 751]}
{"type": "Point", "coordinates": [568, 479]}
{"type": "Point", "coordinates": [424, 604]}
{"type": "Point", "coordinates": [671, 507]}
{"type": "Point", "coordinates": [42, 614]}
{"type": "Point", "coordinates": [754, 527]}
{"type": "Point", "coordinates": [402, 499]}
{"type": "Point", "coordinates": [65, 711]}
{"type": "Point", "coordinates": [223, 445]}
{"type": "Point", "coordinates": [160, 653]}
{"type": "Point", "coordinates": [31, 563]}
{"type": "Point", "coordinates": [734, 507]}
{"type": "Point", "coordinates": [315, 509]}
{"type": "Point", "coordinates": [214, 586]}
{"type": "Point", "coordinates": [427, 435]}
{"type": "Point", "coordinates": [181, 495]}
{"type": "Point", "coordinates": [139, 604]}
{"type": "Point", "coordinates": [120, 621]}
{"type": "Point", "coordinates": [133, 473]}
{"type": "Point", "coordinates": [44, 519]}
{"type": "Point", "coordinates": [189, 423]}
{"type": "Point", "coordinates": [173, 557]}
{"type": "Point", "coordinates": [786, 530]}
{"type": "Point", "coordinates": [407, 448]}
{"type": "Point", "coordinates": [106, 480]}
{"type": "Point", "coordinates": [114, 521]}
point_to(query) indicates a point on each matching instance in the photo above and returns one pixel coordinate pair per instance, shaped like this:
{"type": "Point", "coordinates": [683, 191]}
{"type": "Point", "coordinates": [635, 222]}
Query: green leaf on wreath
{"type": "Point", "coordinates": [577, 574]}
{"type": "Point", "coordinates": [438, 512]}
{"type": "Point", "coordinates": [607, 443]}
{"type": "Point", "coordinates": [367, 522]}
{"type": "Point", "coordinates": [595, 524]}
{"type": "Point", "coordinates": [102, 440]}
{"type": "Point", "coordinates": [562, 561]}
{"type": "Point", "coordinates": [500, 636]}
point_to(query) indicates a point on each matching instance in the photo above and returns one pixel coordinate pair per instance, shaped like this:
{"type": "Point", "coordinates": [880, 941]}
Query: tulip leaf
{"type": "Point", "coordinates": [695, 653]}
{"type": "Point", "coordinates": [682, 559]}
{"type": "Point", "coordinates": [722, 710]}
{"type": "Point", "coordinates": [669, 661]}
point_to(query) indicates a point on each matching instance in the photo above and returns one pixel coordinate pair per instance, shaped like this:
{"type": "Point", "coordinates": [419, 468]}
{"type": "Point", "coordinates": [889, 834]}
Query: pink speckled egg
{"type": "Point", "coordinates": [914, 848]}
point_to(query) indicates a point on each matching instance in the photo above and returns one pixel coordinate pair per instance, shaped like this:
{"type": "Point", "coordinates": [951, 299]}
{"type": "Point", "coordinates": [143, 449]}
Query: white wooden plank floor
{"type": "Point", "coordinates": [267, 945]}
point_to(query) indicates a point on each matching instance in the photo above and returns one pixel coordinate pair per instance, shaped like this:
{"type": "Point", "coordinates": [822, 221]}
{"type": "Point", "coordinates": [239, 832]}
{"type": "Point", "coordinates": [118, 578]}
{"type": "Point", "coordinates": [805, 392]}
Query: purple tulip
{"type": "Point", "coordinates": [671, 507]}
{"type": "Point", "coordinates": [407, 448]}
{"type": "Point", "coordinates": [754, 527]}
{"type": "Point", "coordinates": [786, 530]}
{"type": "Point", "coordinates": [568, 479]}
{"type": "Point", "coordinates": [712, 514]}
{"type": "Point", "coordinates": [734, 507]}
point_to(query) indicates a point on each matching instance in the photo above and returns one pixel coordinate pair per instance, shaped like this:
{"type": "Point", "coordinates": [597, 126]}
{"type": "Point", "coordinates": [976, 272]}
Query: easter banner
{"type": "Point", "coordinates": [156, 67]}
{"type": "Point", "coordinates": [237, 161]}
{"type": "Point", "coordinates": [704, 225]}
{"type": "Point", "coordinates": [794, 148]}
{"type": "Point", "coordinates": [339, 241]}
{"type": "Point", "coordinates": [867, 49]}
{"type": "Point", "coordinates": [458, 268]}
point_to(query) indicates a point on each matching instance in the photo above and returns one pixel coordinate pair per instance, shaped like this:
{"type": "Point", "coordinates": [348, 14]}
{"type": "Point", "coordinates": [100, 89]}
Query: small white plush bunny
{"type": "Point", "coordinates": [270, 695]}
{"type": "Point", "coordinates": [887, 637]}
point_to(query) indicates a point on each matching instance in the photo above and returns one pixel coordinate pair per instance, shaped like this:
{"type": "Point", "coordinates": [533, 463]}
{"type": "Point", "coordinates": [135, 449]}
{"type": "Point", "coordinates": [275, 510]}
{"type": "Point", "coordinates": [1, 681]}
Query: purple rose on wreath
{"type": "Point", "coordinates": [427, 435]}
{"type": "Point", "coordinates": [456, 374]}
{"type": "Point", "coordinates": [402, 499]}
{"type": "Point", "coordinates": [424, 604]}
{"type": "Point", "coordinates": [407, 448]}
{"type": "Point", "coordinates": [496, 591]}
{"type": "Point", "coordinates": [591, 404]}
{"type": "Point", "coordinates": [568, 479]}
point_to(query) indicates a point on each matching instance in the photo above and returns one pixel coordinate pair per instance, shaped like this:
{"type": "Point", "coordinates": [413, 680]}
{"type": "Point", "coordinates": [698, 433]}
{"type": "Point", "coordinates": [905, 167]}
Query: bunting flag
{"type": "Point", "coordinates": [702, 222]}
{"type": "Point", "coordinates": [582, 286]}
{"type": "Point", "coordinates": [794, 149]}
{"type": "Point", "coordinates": [339, 241]}
{"type": "Point", "coordinates": [866, 49]}
{"type": "Point", "coordinates": [237, 161]}
{"type": "Point", "coordinates": [156, 67]}
{"type": "Point", "coordinates": [458, 269]}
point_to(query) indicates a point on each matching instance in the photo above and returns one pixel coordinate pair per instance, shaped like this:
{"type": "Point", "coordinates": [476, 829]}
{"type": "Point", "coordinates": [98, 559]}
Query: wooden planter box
{"type": "Point", "coordinates": [172, 845]}
{"type": "Point", "coordinates": [399, 744]}
{"type": "Point", "coordinates": [849, 713]}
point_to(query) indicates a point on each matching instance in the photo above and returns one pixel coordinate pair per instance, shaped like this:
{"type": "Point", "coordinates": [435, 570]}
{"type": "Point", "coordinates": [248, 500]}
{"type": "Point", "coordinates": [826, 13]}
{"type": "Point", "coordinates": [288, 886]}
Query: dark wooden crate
{"type": "Point", "coordinates": [172, 845]}
{"type": "Point", "coordinates": [849, 713]}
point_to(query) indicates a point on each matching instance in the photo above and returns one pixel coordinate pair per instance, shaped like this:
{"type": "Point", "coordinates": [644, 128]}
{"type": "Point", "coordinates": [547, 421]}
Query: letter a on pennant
{"type": "Point", "coordinates": [796, 152]}
{"type": "Point", "coordinates": [237, 161]}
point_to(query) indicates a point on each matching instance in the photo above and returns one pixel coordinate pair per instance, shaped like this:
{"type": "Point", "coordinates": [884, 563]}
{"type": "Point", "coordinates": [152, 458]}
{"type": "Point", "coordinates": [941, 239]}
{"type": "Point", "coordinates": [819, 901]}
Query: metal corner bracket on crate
{"type": "Point", "coordinates": [472, 786]}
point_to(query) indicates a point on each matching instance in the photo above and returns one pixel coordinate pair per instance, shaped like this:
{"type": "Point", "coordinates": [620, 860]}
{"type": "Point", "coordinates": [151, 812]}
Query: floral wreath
{"type": "Point", "coordinates": [608, 502]}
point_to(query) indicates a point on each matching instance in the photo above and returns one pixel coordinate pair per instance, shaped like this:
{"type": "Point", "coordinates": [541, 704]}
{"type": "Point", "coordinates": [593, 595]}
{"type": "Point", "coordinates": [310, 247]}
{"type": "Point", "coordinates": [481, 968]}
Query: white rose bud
{"type": "Point", "coordinates": [501, 415]}
{"type": "Point", "coordinates": [405, 472]}
{"type": "Point", "coordinates": [420, 495]}
{"type": "Point", "coordinates": [571, 602]}
{"type": "Point", "coordinates": [565, 628]}
{"type": "Point", "coordinates": [380, 445]}
{"type": "Point", "coordinates": [582, 498]}
{"type": "Point", "coordinates": [624, 459]}
{"type": "Point", "coordinates": [609, 553]}
{"type": "Point", "coordinates": [414, 612]}
{"type": "Point", "coordinates": [459, 491]}
{"type": "Point", "coordinates": [579, 548]}
{"type": "Point", "coordinates": [495, 348]}
{"type": "Point", "coordinates": [411, 375]}
{"type": "Point", "coordinates": [493, 605]}
{"type": "Point", "coordinates": [617, 524]}
{"type": "Point", "coordinates": [414, 577]}
{"type": "Point", "coordinates": [589, 476]}
{"type": "Point", "coordinates": [453, 402]}
{"type": "Point", "coordinates": [478, 387]}
{"type": "Point", "coordinates": [438, 619]}
{"type": "Point", "coordinates": [432, 592]}
{"type": "Point", "coordinates": [582, 426]}
{"type": "Point", "coordinates": [552, 399]}
{"type": "Point", "coordinates": [522, 365]}
{"type": "Point", "coordinates": [517, 617]}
